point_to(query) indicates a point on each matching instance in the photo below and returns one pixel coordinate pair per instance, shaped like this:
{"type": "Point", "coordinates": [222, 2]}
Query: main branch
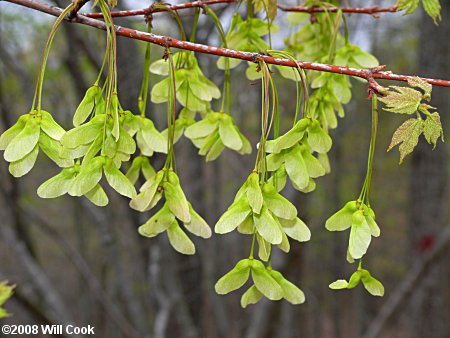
{"type": "Point", "coordinates": [246, 56]}
{"type": "Point", "coordinates": [368, 10]}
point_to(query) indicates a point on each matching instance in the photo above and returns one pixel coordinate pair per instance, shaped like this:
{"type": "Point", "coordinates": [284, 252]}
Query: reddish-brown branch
{"type": "Point", "coordinates": [73, 13]}
{"type": "Point", "coordinates": [369, 10]}
{"type": "Point", "coordinates": [150, 10]}
{"type": "Point", "coordinates": [246, 56]}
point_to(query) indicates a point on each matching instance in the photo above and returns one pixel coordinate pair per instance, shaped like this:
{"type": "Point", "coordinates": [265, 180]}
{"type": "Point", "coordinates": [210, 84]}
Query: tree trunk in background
{"type": "Point", "coordinates": [429, 188]}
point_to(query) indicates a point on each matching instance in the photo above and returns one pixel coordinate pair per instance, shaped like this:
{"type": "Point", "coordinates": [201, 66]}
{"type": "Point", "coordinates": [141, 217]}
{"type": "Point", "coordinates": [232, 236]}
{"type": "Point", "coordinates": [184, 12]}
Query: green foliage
{"type": "Point", "coordinates": [409, 101]}
{"type": "Point", "coordinates": [6, 291]}
{"type": "Point", "coordinates": [432, 7]}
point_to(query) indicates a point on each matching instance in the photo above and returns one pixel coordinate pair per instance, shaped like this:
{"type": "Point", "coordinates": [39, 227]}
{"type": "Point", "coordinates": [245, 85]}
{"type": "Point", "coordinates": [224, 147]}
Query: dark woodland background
{"type": "Point", "coordinates": [77, 263]}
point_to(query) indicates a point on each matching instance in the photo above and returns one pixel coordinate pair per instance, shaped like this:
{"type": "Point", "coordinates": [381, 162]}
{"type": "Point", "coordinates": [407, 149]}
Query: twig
{"type": "Point", "coordinates": [246, 56]}
{"type": "Point", "coordinates": [368, 10]}
{"type": "Point", "coordinates": [74, 11]}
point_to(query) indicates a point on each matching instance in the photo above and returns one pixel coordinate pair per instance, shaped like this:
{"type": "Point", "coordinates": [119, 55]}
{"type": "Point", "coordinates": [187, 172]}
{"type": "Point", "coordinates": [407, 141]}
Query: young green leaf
{"type": "Point", "coordinates": [403, 100]}
{"type": "Point", "coordinates": [432, 129]}
{"type": "Point", "coordinates": [407, 134]}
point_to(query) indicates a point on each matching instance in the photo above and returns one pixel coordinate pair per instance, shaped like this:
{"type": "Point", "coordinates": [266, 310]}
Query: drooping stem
{"type": "Point", "coordinates": [171, 112]}
{"type": "Point", "coordinates": [365, 192]}
{"type": "Point", "coordinates": [143, 95]}
{"type": "Point", "coordinates": [40, 80]}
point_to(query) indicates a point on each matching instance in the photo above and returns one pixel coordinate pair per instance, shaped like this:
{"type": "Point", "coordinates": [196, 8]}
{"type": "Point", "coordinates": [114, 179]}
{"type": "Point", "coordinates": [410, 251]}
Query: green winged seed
{"type": "Point", "coordinates": [12, 132]}
{"type": "Point", "coordinates": [265, 283]}
{"type": "Point", "coordinates": [267, 227]}
{"type": "Point", "coordinates": [84, 134]}
{"type": "Point", "coordinates": [313, 165]}
{"type": "Point", "coordinates": [86, 105]}
{"type": "Point", "coordinates": [97, 196]}
{"type": "Point", "coordinates": [296, 168]}
{"type": "Point", "coordinates": [233, 217]}
{"type": "Point", "coordinates": [52, 149]}
{"type": "Point", "coordinates": [87, 179]}
{"type": "Point", "coordinates": [57, 185]}
{"type": "Point", "coordinates": [264, 248]}
{"type": "Point", "coordinates": [342, 219]}
{"type": "Point", "coordinates": [50, 127]}
{"type": "Point", "coordinates": [254, 193]}
{"type": "Point", "coordinates": [339, 284]}
{"type": "Point", "coordinates": [25, 164]}
{"type": "Point", "coordinates": [374, 228]}
{"type": "Point", "coordinates": [229, 134]}
{"type": "Point", "coordinates": [277, 204]}
{"type": "Point", "coordinates": [318, 139]}
{"type": "Point", "coordinates": [290, 292]}
{"type": "Point", "coordinates": [118, 181]}
{"type": "Point", "coordinates": [215, 150]}
{"type": "Point", "coordinates": [290, 138]}
{"type": "Point", "coordinates": [24, 142]}
{"type": "Point", "coordinates": [158, 223]}
{"type": "Point", "coordinates": [251, 296]}
{"type": "Point", "coordinates": [372, 285]}
{"type": "Point", "coordinates": [296, 229]}
{"type": "Point", "coordinates": [197, 225]}
{"type": "Point", "coordinates": [179, 240]}
{"type": "Point", "coordinates": [360, 236]}
{"type": "Point", "coordinates": [175, 197]}
{"type": "Point", "coordinates": [234, 279]}
{"type": "Point", "coordinates": [201, 128]}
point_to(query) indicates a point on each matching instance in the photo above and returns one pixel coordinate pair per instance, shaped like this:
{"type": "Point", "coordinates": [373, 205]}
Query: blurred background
{"type": "Point", "coordinates": [77, 263]}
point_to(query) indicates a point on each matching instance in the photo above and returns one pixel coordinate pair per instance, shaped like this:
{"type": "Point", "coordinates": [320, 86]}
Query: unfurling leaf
{"type": "Point", "coordinates": [403, 100]}
{"type": "Point", "coordinates": [422, 84]}
{"type": "Point", "coordinates": [432, 129]}
{"type": "Point", "coordinates": [407, 134]}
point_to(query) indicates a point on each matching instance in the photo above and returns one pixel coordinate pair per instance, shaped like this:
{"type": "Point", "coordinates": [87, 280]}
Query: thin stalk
{"type": "Point", "coordinates": [40, 80]}
{"type": "Point", "coordinates": [194, 26]}
{"type": "Point", "coordinates": [143, 95]}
